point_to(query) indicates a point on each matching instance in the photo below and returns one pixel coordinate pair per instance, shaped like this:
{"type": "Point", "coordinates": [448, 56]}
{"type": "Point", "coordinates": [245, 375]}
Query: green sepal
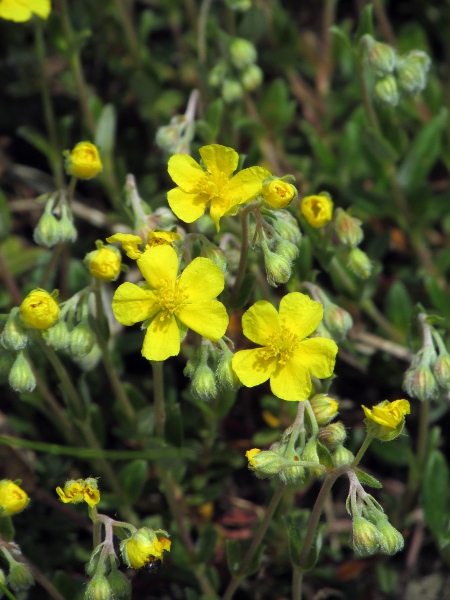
{"type": "Point", "coordinates": [367, 479]}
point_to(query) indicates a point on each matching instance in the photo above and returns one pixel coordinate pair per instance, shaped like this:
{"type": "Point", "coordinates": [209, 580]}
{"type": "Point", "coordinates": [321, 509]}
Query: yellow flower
{"type": "Point", "coordinates": [250, 455]}
{"type": "Point", "coordinates": [278, 193]}
{"type": "Point", "coordinates": [104, 263]}
{"type": "Point", "coordinates": [386, 420]}
{"type": "Point", "coordinates": [143, 547]}
{"type": "Point", "coordinates": [39, 310]}
{"type": "Point", "coordinates": [167, 301]}
{"type": "Point", "coordinates": [317, 210]}
{"type": "Point", "coordinates": [23, 10]}
{"type": "Point", "coordinates": [158, 237]}
{"type": "Point", "coordinates": [84, 161]}
{"type": "Point", "coordinates": [80, 490]}
{"type": "Point", "coordinates": [198, 188]}
{"type": "Point", "coordinates": [12, 498]}
{"type": "Point", "coordinates": [286, 358]}
{"type": "Point", "coordinates": [130, 243]}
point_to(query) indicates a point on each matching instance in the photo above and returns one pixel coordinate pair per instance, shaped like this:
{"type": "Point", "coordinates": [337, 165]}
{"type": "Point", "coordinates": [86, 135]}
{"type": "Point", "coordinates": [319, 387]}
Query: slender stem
{"type": "Point", "coordinates": [312, 418]}
{"type": "Point", "coordinates": [368, 440]}
{"type": "Point", "coordinates": [130, 33]}
{"type": "Point", "coordinates": [50, 268]}
{"type": "Point", "coordinates": [422, 436]}
{"type": "Point", "coordinates": [7, 593]}
{"type": "Point", "coordinates": [384, 22]}
{"type": "Point", "coordinates": [201, 31]}
{"type": "Point", "coordinates": [257, 540]}
{"type": "Point", "coordinates": [366, 99]}
{"type": "Point", "coordinates": [326, 64]}
{"type": "Point", "coordinates": [338, 269]}
{"type": "Point", "coordinates": [242, 260]}
{"type": "Point", "coordinates": [71, 189]}
{"type": "Point", "coordinates": [158, 397]}
{"type": "Point", "coordinates": [372, 311]}
{"type": "Point", "coordinates": [297, 583]}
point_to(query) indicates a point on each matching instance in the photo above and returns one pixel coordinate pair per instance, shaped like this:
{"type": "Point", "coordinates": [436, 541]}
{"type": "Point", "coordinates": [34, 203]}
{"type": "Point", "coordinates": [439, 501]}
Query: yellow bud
{"type": "Point", "coordinates": [265, 463]}
{"type": "Point", "coordinates": [39, 310]}
{"type": "Point", "coordinates": [104, 263]}
{"type": "Point", "coordinates": [12, 498]}
{"type": "Point", "coordinates": [83, 161]}
{"type": "Point", "coordinates": [143, 547]}
{"type": "Point", "coordinates": [278, 193]}
{"type": "Point", "coordinates": [324, 408]}
{"type": "Point", "coordinates": [317, 210]}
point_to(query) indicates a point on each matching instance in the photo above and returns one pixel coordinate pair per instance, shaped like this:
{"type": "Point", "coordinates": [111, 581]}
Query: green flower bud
{"type": "Point", "coordinates": [419, 381]}
{"type": "Point", "coordinates": [19, 577]}
{"type": "Point", "coordinates": [215, 255]}
{"type": "Point", "coordinates": [225, 374]}
{"type": "Point", "coordinates": [67, 230]}
{"type": "Point", "coordinates": [14, 335]}
{"type": "Point", "coordinates": [278, 268]}
{"type": "Point", "coordinates": [119, 584]}
{"type": "Point", "coordinates": [293, 475]}
{"type": "Point", "coordinates": [81, 341]}
{"type": "Point", "coordinates": [310, 451]}
{"type": "Point", "coordinates": [412, 72]}
{"type": "Point", "coordinates": [359, 263]}
{"type": "Point", "coordinates": [382, 58]}
{"type": "Point", "coordinates": [239, 5]}
{"type": "Point", "coordinates": [333, 435]}
{"type": "Point", "coordinates": [390, 540]}
{"type": "Point", "coordinates": [232, 91]}
{"type": "Point", "coordinates": [242, 53]}
{"type": "Point", "coordinates": [203, 383]}
{"type": "Point", "coordinates": [191, 366]}
{"type": "Point", "coordinates": [342, 456]}
{"type": "Point", "coordinates": [365, 538]}
{"type": "Point", "coordinates": [47, 231]}
{"type": "Point", "coordinates": [218, 74]}
{"type": "Point", "coordinates": [21, 377]}
{"type": "Point", "coordinates": [287, 227]}
{"type": "Point", "coordinates": [265, 463]}
{"type": "Point", "coordinates": [98, 589]}
{"type": "Point", "coordinates": [58, 336]}
{"type": "Point", "coordinates": [387, 91]}
{"type": "Point", "coordinates": [88, 362]}
{"type": "Point", "coordinates": [338, 321]}
{"type": "Point", "coordinates": [286, 249]}
{"type": "Point", "coordinates": [441, 370]}
{"type": "Point", "coordinates": [324, 408]}
{"type": "Point", "coordinates": [348, 229]}
{"type": "Point", "coordinates": [251, 78]}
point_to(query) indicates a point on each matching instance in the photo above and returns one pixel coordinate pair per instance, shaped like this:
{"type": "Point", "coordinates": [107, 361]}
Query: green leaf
{"type": "Point", "coordinates": [320, 148]}
{"type": "Point", "coordinates": [296, 524]}
{"type": "Point", "coordinates": [132, 479]}
{"type": "Point", "coordinates": [233, 550]}
{"type": "Point", "coordinates": [365, 25]}
{"type": "Point", "coordinates": [422, 153]}
{"type": "Point", "coordinates": [342, 35]}
{"type": "Point", "coordinates": [34, 138]}
{"type": "Point", "coordinates": [206, 543]}
{"type": "Point", "coordinates": [440, 298]}
{"type": "Point", "coordinates": [105, 134]}
{"type": "Point", "coordinates": [378, 145]}
{"type": "Point", "coordinates": [5, 217]}
{"type": "Point", "coordinates": [276, 109]}
{"type": "Point", "coordinates": [367, 479]}
{"type": "Point", "coordinates": [324, 456]}
{"type": "Point", "coordinates": [399, 306]}
{"type": "Point", "coordinates": [435, 492]}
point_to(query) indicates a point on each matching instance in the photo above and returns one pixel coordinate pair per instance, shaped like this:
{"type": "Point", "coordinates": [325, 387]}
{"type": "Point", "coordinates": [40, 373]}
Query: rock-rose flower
{"type": "Point", "coordinates": [386, 420]}
{"type": "Point", "coordinates": [80, 490]}
{"type": "Point", "coordinates": [12, 498]}
{"type": "Point", "coordinates": [39, 310]}
{"type": "Point", "coordinates": [286, 358]}
{"type": "Point", "coordinates": [168, 302]}
{"type": "Point", "coordinates": [144, 547]}
{"type": "Point", "coordinates": [197, 188]}
{"type": "Point", "coordinates": [83, 161]}
{"type": "Point", "coordinates": [317, 210]}
{"type": "Point", "coordinates": [23, 10]}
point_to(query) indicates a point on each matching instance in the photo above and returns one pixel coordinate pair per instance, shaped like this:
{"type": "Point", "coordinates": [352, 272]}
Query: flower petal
{"type": "Point", "coordinates": [202, 280]}
{"type": "Point", "coordinates": [300, 314]}
{"type": "Point", "coordinates": [245, 185]}
{"type": "Point", "coordinates": [15, 11]}
{"type": "Point", "coordinates": [318, 355]}
{"type": "Point", "coordinates": [291, 381]}
{"type": "Point", "coordinates": [158, 264]}
{"type": "Point", "coordinates": [252, 367]}
{"type": "Point", "coordinates": [219, 159]}
{"type": "Point", "coordinates": [209, 319]}
{"type": "Point", "coordinates": [185, 171]}
{"type": "Point", "coordinates": [187, 206]}
{"type": "Point", "coordinates": [162, 339]}
{"type": "Point", "coordinates": [40, 7]}
{"type": "Point", "coordinates": [132, 304]}
{"type": "Point", "coordinates": [218, 209]}
{"type": "Point", "coordinates": [260, 322]}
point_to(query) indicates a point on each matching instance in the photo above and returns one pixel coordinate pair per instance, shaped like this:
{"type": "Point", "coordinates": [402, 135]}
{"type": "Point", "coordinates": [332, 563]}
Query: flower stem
{"type": "Point", "coordinates": [236, 580]}
{"type": "Point", "coordinates": [130, 33]}
{"type": "Point", "coordinates": [242, 260]}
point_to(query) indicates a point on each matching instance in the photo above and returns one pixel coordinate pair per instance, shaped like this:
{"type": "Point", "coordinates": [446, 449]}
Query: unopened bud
{"type": "Point", "coordinates": [292, 475]}
{"type": "Point", "coordinates": [277, 192]}
{"type": "Point", "coordinates": [287, 227]}
{"type": "Point", "coordinates": [14, 336]}
{"type": "Point", "coordinates": [251, 78]}
{"type": "Point", "coordinates": [232, 91]}
{"type": "Point", "coordinates": [239, 5]}
{"type": "Point", "coordinates": [98, 589]}
{"type": "Point", "coordinates": [333, 435]}
{"type": "Point", "coordinates": [21, 377]}
{"type": "Point", "coordinates": [348, 228]}
{"type": "Point", "coordinates": [67, 230]}
{"type": "Point", "coordinates": [420, 383]}
{"type": "Point", "coordinates": [217, 74]}
{"type": "Point", "coordinates": [225, 374]}
{"type": "Point", "coordinates": [359, 263]}
{"type": "Point", "coordinates": [412, 72]}
{"type": "Point", "coordinates": [119, 584]}
{"type": "Point", "coordinates": [382, 58]}
{"type": "Point", "coordinates": [387, 91]}
{"type": "Point", "coordinates": [215, 255]}
{"type": "Point", "coordinates": [19, 577]}
{"type": "Point", "coordinates": [83, 161]}
{"type": "Point", "coordinates": [365, 538]}
{"type": "Point", "coordinates": [342, 456]}
{"type": "Point", "coordinates": [47, 231]}
{"type": "Point", "coordinates": [324, 408]}
{"type": "Point", "coordinates": [310, 452]}
{"type": "Point", "coordinates": [337, 320]}
{"type": "Point", "coordinates": [390, 540]}
{"type": "Point", "coordinates": [104, 263]}
{"type": "Point", "coordinates": [58, 336]}
{"type": "Point", "coordinates": [441, 370]}
{"type": "Point", "coordinates": [203, 383]}
{"type": "Point", "coordinates": [265, 463]}
{"type": "Point", "coordinates": [242, 53]}
{"type": "Point", "coordinates": [82, 340]}
{"type": "Point", "coordinates": [278, 268]}
{"type": "Point", "coordinates": [286, 249]}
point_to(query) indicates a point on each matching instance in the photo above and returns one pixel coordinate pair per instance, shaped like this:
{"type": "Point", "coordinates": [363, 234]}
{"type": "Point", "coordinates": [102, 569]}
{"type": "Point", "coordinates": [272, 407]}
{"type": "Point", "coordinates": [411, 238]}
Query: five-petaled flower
{"type": "Point", "coordinates": [23, 10]}
{"type": "Point", "coordinates": [215, 186]}
{"type": "Point", "coordinates": [80, 490]}
{"type": "Point", "coordinates": [130, 241]}
{"type": "Point", "coordinates": [386, 420]}
{"type": "Point", "coordinates": [167, 302]}
{"type": "Point", "coordinates": [286, 357]}
{"type": "Point", "coordinates": [144, 547]}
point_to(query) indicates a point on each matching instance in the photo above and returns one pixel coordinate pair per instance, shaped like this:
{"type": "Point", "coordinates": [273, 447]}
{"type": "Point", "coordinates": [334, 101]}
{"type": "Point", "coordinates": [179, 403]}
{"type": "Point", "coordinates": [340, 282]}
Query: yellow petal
{"type": "Point", "coordinates": [40, 7]}
{"type": "Point", "coordinates": [162, 339]}
{"type": "Point", "coordinates": [217, 210]}
{"type": "Point", "coordinates": [202, 280]}
{"type": "Point", "coordinates": [158, 264]}
{"type": "Point", "coordinates": [252, 367]}
{"type": "Point", "coordinates": [187, 206]}
{"type": "Point", "coordinates": [15, 10]}
{"type": "Point", "coordinates": [185, 171]}
{"type": "Point", "coordinates": [402, 405]}
{"type": "Point", "coordinates": [219, 159]}
{"type": "Point", "coordinates": [260, 322]}
{"type": "Point", "coordinates": [132, 304]}
{"type": "Point", "coordinates": [300, 314]}
{"type": "Point", "coordinates": [318, 355]}
{"type": "Point", "coordinates": [291, 381]}
{"type": "Point", "coordinates": [246, 184]}
{"type": "Point", "coordinates": [209, 319]}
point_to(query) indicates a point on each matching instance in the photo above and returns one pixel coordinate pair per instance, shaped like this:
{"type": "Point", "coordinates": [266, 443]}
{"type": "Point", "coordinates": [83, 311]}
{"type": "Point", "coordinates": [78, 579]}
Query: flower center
{"type": "Point", "coordinates": [214, 187]}
{"type": "Point", "coordinates": [170, 295]}
{"type": "Point", "coordinates": [281, 345]}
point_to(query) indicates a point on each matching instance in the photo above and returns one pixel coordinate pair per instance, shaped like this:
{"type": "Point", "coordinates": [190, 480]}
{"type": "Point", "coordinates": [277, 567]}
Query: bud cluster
{"type": "Point", "coordinates": [56, 223]}
{"type": "Point", "coordinates": [337, 322]}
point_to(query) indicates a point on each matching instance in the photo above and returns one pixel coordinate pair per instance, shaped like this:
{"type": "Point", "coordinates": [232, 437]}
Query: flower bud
{"type": "Point", "coordinates": [215, 255]}
{"type": "Point", "coordinates": [239, 5]}
{"type": "Point", "coordinates": [278, 193]}
{"type": "Point", "coordinates": [19, 577]}
{"type": "Point", "coordinates": [47, 231]}
{"type": "Point", "coordinates": [226, 377]}
{"type": "Point", "coordinates": [57, 336]}
{"type": "Point", "coordinates": [39, 310]}
{"type": "Point", "coordinates": [98, 589]}
{"type": "Point", "coordinates": [365, 538]}
{"type": "Point", "coordinates": [83, 161]}
{"type": "Point", "coordinates": [13, 499]}
{"type": "Point", "coordinates": [412, 72]}
{"type": "Point", "coordinates": [218, 74]}
{"type": "Point", "coordinates": [333, 435]}
{"type": "Point", "coordinates": [143, 547]}
{"type": "Point", "coordinates": [317, 210]}
{"type": "Point", "coordinates": [67, 230]}
{"type": "Point", "coordinates": [119, 584]}
{"type": "Point", "coordinates": [232, 91]}
{"type": "Point", "coordinates": [203, 383]}
{"type": "Point", "coordinates": [286, 249]}
{"type": "Point", "coordinates": [337, 320]}
{"type": "Point", "coordinates": [419, 381]}
{"type": "Point", "coordinates": [104, 263]}
{"type": "Point", "coordinates": [342, 456]}
{"type": "Point", "coordinates": [251, 78]}
{"type": "Point", "coordinates": [387, 91]}
{"type": "Point", "coordinates": [21, 377]}
{"type": "Point", "coordinates": [324, 408]}
{"type": "Point", "coordinates": [348, 228]}
{"type": "Point", "coordinates": [89, 361]}
{"type": "Point", "coordinates": [242, 53]}
{"type": "Point", "coordinates": [310, 451]}
{"type": "Point", "coordinates": [382, 58]}
{"type": "Point", "coordinates": [292, 475]}
{"type": "Point", "coordinates": [82, 340]}
{"type": "Point", "coordinates": [359, 263]}
{"type": "Point", "coordinates": [265, 463]}
{"type": "Point", "coordinates": [441, 370]}
{"type": "Point", "coordinates": [390, 540]}
{"type": "Point", "coordinates": [287, 227]}
{"type": "Point", "coordinates": [386, 420]}
{"type": "Point", "coordinates": [278, 268]}
{"type": "Point", "coordinates": [14, 336]}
